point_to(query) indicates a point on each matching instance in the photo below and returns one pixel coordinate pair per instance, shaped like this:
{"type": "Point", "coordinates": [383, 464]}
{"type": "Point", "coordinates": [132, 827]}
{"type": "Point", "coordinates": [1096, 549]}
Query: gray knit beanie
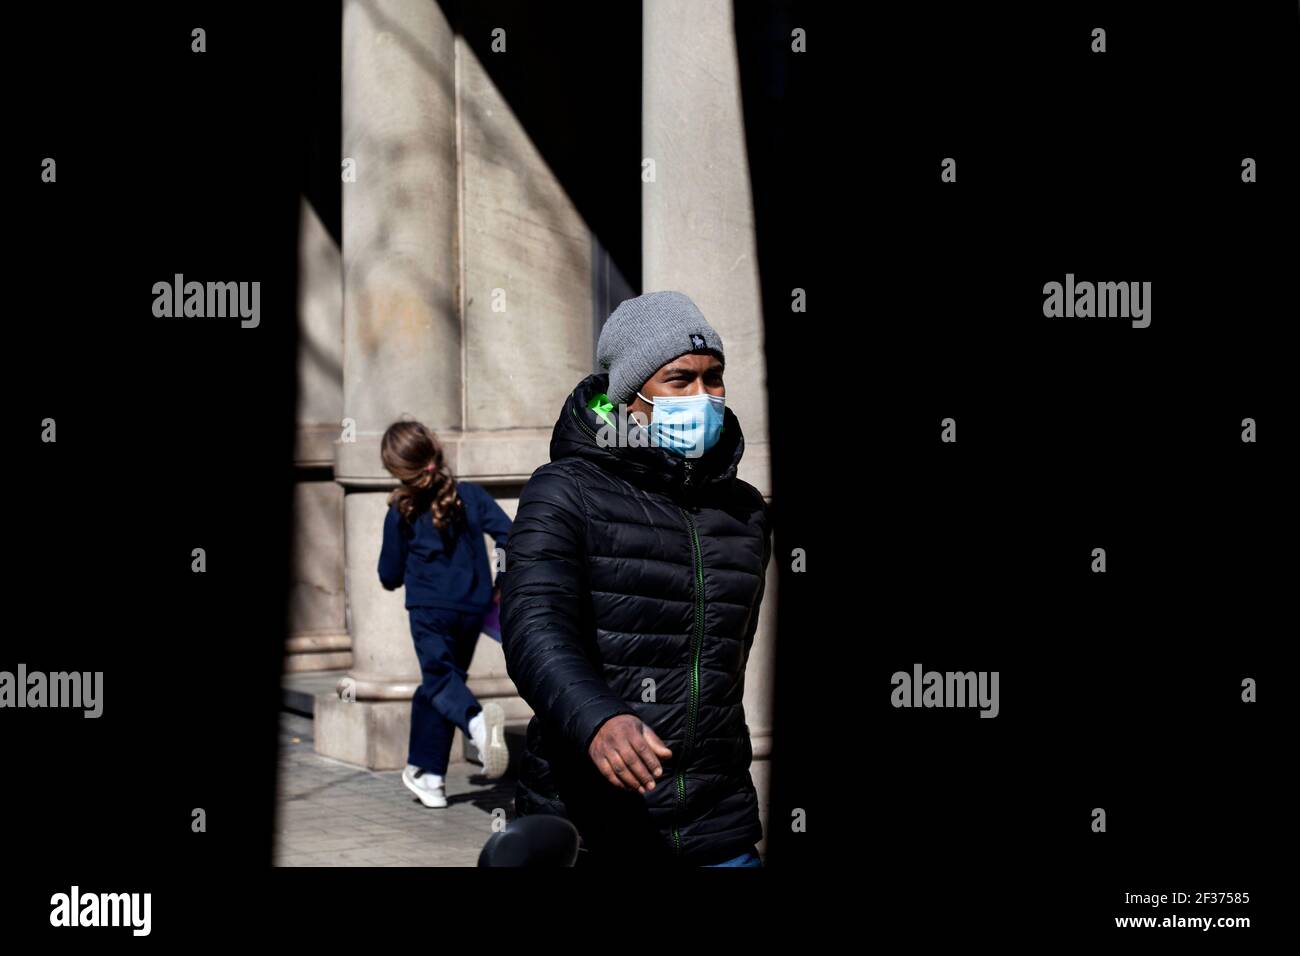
{"type": "Point", "coordinates": [645, 333]}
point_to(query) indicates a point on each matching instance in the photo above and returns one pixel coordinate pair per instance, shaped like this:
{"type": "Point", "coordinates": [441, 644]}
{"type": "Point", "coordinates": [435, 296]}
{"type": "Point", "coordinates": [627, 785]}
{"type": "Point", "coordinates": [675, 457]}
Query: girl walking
{"type": "Point", "coordinates": [433, 545]}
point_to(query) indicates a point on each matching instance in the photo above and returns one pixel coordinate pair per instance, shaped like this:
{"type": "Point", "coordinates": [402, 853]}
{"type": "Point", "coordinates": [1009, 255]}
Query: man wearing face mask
{"type": "Point", "coordinates": [630, 598]}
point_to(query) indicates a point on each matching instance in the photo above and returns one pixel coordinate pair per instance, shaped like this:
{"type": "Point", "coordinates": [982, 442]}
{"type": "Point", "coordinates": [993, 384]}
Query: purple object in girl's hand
{"type": "Point", "coordinates": [492, 622]}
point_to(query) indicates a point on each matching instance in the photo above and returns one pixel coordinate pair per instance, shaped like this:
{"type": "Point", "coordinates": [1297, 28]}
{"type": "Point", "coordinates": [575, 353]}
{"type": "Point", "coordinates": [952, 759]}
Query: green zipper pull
{"type": "Point", "coordinates": [697, 644]}
{"type": "Point", "coordinates": [603, 407]}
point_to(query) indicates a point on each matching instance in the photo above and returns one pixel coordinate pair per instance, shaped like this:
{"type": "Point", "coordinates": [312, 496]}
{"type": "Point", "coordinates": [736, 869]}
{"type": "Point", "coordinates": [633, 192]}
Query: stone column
{"type": "Point", "coordinates": [318, 637]}
{"type": "Point", "coordinates": [526, 299]}
{"type": "Point", "coordinates": [402, 343]}
{"type": "Point", "coordinates": [698, 238]}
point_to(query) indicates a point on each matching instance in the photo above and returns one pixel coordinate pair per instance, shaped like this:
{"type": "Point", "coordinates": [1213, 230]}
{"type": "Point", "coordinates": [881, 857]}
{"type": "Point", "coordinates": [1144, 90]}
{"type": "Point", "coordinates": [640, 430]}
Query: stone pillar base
{"type": "Point", "coordinates": [375, 734]}
{"type": "Point", "coordinates": [317, 651]}
{"type": "Point", "coordinates": [371, 734]}
{"type": "Point", "coordinates": [324, 661]}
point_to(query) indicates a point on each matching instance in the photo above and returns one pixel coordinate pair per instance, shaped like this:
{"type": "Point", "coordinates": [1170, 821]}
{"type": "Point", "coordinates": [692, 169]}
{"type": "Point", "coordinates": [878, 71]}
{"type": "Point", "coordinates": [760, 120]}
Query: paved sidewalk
{"type": "Point", "coordinates": [329, 813]}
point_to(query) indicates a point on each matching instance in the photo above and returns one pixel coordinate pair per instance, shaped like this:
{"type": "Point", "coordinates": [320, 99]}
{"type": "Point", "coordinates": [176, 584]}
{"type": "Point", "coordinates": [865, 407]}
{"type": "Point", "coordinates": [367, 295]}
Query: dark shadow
{"type": "Point", "coordinates": [322, 65]}
{"type": "Point", "coordinates": [575, 92]}
{"type": "Point", "coordinates": [775, 94]}
{"type": "Point", "coordinates": [572, 77]}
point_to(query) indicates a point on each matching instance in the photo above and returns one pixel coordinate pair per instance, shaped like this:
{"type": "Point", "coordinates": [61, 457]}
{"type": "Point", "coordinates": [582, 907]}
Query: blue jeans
{"type": "Point", "coordinates": [748, 858]}
{"type": "Point", "coordinates": [444, 642]}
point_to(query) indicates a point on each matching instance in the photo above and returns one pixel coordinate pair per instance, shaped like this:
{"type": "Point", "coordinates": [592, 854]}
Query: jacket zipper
{"type": "Point", "coordinates": [578, 418]}
{"type": "Point", "coordinates": [697, 641]}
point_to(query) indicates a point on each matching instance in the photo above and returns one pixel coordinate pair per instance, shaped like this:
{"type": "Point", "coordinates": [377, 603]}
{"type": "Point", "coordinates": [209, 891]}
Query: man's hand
{"type": "Point", "coordinates": [627, 752]}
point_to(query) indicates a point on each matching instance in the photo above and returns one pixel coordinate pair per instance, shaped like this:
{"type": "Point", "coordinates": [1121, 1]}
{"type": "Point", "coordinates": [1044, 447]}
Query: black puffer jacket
{"type": "Point", "coordinates": [632, 585]}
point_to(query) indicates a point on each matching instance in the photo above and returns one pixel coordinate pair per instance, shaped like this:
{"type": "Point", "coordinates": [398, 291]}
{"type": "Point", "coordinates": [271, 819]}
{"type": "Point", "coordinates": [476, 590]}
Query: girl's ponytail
{"type": "Point", "coordinates": [413, 455]}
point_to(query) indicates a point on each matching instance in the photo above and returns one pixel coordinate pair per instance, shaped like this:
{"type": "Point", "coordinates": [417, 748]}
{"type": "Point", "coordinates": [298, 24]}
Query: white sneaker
{"type": "Point", "coordinates": [427, 786]}
{"type": "Point", "coordinates": [488, 731]}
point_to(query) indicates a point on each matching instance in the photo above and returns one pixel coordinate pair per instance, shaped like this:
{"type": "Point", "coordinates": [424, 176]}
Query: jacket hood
{"type": "Point", "coordinates": [577, 428]}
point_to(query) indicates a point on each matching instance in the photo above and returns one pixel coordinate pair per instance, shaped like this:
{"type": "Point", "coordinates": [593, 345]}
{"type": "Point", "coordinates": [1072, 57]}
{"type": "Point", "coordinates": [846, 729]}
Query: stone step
{"type": "Point", "coordinates": [299, 689]}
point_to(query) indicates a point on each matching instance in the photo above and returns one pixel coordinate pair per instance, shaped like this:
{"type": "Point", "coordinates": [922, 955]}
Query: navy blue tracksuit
{"type": "Point", "coordinates": [448, 582]}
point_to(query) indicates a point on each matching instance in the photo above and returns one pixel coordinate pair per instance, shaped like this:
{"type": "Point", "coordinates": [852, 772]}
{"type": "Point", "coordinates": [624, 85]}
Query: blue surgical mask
{"type": "Point", "coordinates": [687, 425]}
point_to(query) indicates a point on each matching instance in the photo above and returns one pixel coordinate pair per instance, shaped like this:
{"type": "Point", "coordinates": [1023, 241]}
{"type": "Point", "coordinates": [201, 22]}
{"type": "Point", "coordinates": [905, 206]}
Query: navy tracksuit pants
{"type": "Point", "coordinates": [444, 642]}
